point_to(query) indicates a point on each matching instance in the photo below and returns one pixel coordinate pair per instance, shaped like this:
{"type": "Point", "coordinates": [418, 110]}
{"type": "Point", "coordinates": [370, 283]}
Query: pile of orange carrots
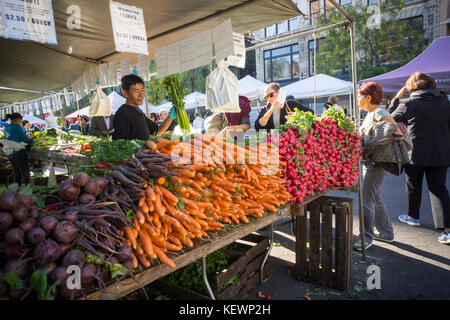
{"type": "Point", "coordinates": [210, 191]}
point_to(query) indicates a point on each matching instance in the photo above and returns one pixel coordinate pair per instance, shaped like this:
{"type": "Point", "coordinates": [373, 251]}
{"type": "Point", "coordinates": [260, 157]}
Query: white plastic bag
{"type": "Point", "coordinates": [10, 146]}
{"type": "Point", "coordinates": [222, 90]}
{"type": "Point", "coordinates": [100, 105]}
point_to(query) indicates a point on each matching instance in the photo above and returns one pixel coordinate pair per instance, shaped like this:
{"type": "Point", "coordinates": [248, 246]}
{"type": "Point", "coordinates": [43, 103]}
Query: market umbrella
{"type": "Point", "coordinates": [33, 119]}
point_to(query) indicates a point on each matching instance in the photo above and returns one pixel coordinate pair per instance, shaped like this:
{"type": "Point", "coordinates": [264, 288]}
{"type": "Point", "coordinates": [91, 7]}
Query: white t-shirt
{"type": "Point", "coordinates": [199, 123]}
{"type": "Point", "coordinates": [337, 107]}
{"type": "Point", "coordinates": [51, 122]}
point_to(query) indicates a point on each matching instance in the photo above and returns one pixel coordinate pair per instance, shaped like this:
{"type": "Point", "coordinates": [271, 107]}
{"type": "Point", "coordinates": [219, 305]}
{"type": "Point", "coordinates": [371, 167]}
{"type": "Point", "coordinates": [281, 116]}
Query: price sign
{"type": "Point", "coordinates": [223, 40]}
{"type": "Point", "coordinates": [28, 20]}
{"type": "Point", "coordinates": [129, 28]}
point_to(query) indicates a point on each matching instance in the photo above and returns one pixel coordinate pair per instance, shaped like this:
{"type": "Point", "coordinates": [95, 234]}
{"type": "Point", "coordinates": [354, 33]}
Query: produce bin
{"type": "Point", "coordinates": [324, 230]}
{"type": "Point", "coordinates": [245, 269]}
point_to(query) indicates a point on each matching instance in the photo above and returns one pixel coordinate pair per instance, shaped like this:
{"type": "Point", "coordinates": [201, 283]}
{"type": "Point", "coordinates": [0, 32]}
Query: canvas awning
{"type": "Point", "coordinates": [325, 86]}
{"type": "Point", "coordinates": [434, 61]}
{"type": "Point", "coordinates": [44, 67]}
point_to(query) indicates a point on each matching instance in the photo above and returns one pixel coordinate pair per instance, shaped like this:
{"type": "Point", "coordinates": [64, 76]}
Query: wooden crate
{"type": "Point", "coordinates": [321, 258]}
{"type": "Point", "coordinates": [247, 265]}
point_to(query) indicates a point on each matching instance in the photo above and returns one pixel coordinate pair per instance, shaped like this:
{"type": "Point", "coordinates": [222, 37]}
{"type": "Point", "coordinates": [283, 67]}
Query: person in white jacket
{"type": "Point", "coordinates": [51, 121]}
{"type": "Point", "coordinates": [199, 122]}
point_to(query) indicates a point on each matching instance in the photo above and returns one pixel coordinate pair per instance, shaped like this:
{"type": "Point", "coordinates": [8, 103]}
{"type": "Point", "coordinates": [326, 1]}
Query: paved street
{"type": "Point", "coordinates": [415, 266]}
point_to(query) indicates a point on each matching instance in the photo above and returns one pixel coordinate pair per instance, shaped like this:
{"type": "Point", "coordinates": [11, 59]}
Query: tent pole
{"type": "Point", "coordinates": [314, 57]}
{"type": "Point", "coordinates": [356, 111]}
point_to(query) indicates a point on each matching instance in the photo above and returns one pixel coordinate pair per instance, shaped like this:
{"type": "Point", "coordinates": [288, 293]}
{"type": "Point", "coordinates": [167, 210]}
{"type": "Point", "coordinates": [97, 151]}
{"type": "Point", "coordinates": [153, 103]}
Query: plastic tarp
{"type": "Point", "coordinates": [435, 61]}
{"type": "Point", "coordinates": [49, 68]}
{"type": "Point", "coordinates": [251, 87]}
{"type": "Point", "coordinates": [325, 86]}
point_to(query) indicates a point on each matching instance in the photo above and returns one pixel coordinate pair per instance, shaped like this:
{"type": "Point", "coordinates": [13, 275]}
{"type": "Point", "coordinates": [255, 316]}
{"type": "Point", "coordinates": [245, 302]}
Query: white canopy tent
{"type": "Point", "coordinates": [82, 112]}
{"type": "Point", "coordinates": [325, 86]}
{"type": "Point", "coordinates": [192, 101]}
{"type": "Point", "coordinates": [251, 87]}
{"type": "Point", "coordinates": [33, 119]}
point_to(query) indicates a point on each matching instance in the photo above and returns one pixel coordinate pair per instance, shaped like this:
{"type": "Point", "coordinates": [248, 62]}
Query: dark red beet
{"type": "Point", "coordinates": [102, 184]}
{"type": "Point", "coordinates": [68, 191]}
{"type": "Point", "coordinates": [15, 251]}
{"type": "Point", "coordinates": [28, 224]}
{"type": "Point", "coordinates": [87, 198]}
{"type": "Point", "coordinates": [46, 251]}
{"type": "Point", "coordinates": [16, 294]}
{"type": "Point", "coordinates": [74, 257]}
{"type": "Point", "coordinates": [6, 220]}
{"type": "Point", "coordinates": [20, 214]}
{"type": "Point", "coordinates": [58, 277]}
{"type": "Point", "coordinates": [67, 293]}
{"type": "Point", "coordinates": [49, 267]}
{"type": "Point", "coordinates": [80, 179]}
{"type": "Point", "coordinates": [15, 236]}
{"type": "Point", "coordinates": [92, 187]}
{"type": "Point", "coordinates": [27, 200]}
{"type": "Point", "coordinates": [36, 235]}
{"type": "Point", "coordinates": [88, 273]}
{"type": "Point", "coordinates": [48, 223]}
{"type": "Point", "coordinates": [65, 232]}
{"type": "Point", "coordinates": [10, 201]}
{"type": "Point", "coordinates": [71, 216]}
{"type": "Point", "coordinates": [64, 248]}
{"type": "Point", "coordinates": [125, 254]}
{"type": "Point", "coordinates": [34, 213]}
{"type": "Point", "coordinates": [3, 287]}
{"type": "Point", "coordinates": [19, 266]}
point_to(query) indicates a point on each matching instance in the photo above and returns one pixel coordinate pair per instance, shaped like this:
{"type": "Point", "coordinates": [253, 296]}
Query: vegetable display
{"type": "Point", "coordinates": [194, 198]}
{"type": "Point", "coordinates": [38, 245]}
{"type": "Point", "coordinates": [318, 153]}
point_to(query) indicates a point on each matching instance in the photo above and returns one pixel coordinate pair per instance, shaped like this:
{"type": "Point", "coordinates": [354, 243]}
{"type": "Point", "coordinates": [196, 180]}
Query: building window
{"type": "Point", "coordinates": [314, 9]}
{"type": "Point", "coordinates": [370, 2]}
{"type": "Point", "coordinates": [293, 24]}
{"type": "Point", "coordinates": [328, 6]}
{"type": "Point", "coordinates": [311, 53]}
{"type": "Point", "coordinates": [345, 2]}
{"type": "Point", "coordinates": [271, 31]}
{"type": "Point", "coordinates": [416, 23]}
{"type": "Point", "coordinates": [281, 64]}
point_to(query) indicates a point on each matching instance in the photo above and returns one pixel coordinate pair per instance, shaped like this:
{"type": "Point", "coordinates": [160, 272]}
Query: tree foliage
{"type": "Point", "coordinates": [381, 46]}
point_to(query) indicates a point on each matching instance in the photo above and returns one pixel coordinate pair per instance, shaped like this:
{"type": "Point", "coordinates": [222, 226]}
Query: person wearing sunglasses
{"type": "Point", "coordinates": [274, 114]}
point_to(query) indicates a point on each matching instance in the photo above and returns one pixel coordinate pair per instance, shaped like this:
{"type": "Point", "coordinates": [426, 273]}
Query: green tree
{"type": "Point", "coordinates": [156, 93]}
{"type": "Point", "coordinates": [378, 49]}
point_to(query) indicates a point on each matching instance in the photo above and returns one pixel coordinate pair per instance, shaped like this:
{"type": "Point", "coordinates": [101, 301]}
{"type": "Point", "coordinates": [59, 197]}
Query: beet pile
{"type": "Point", "coordinates": [318, 153]}
{"type": "Point", "coordinates": [81, 230]}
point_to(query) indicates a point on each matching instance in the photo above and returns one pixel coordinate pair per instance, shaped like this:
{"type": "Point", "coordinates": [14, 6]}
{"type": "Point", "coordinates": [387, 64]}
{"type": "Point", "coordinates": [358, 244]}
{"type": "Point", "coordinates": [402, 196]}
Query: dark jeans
{"type": "Point", "coordinates": [439, 197]}
{"type": "Point", "coordinates": [19, 162]}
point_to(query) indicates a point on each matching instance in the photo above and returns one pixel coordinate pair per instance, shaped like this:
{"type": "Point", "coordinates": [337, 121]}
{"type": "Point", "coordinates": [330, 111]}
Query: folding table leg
{"type": "Point", "coordinates": [261, 269]}
{"type": "Point", "coordinates": [205, 279]}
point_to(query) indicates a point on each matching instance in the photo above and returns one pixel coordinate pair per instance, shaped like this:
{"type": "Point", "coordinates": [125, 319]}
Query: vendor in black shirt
{"type": "Point", "coordinates": [129, 121]}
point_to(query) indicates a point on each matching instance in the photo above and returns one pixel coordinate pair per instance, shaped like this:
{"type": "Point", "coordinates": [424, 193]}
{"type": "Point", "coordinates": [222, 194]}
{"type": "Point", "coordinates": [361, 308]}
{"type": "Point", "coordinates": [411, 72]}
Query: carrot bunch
{"type": "Point", "coordinates": [206, 192]}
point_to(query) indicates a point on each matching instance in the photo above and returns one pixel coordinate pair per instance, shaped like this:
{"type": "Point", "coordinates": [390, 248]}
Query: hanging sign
{"type": "Point", "coordinates": [143, 66]}
{"type": "Point", "coordinates": [238, 59]}
{"type": "Point", "coordinates": [124, 67]}
{"type": "Point", "coordinates": [112, 68]}
{"type": "Point", "coordinates": [103, 74]}
{"type": "Point", "coordinates": [66, 97]}
{"type": "Point", "coordinates": [161, 62]}
{"type": "Point", "coordinates": [223, 40]}
{"type": "Point", "coordinates": [28, 20]}
{"type": "Point", "coordinates": [128, 28]}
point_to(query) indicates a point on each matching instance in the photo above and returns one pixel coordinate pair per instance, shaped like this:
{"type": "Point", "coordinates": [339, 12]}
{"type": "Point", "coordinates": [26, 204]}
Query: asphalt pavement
{"type": "Point", "coordinates": [414, 267]}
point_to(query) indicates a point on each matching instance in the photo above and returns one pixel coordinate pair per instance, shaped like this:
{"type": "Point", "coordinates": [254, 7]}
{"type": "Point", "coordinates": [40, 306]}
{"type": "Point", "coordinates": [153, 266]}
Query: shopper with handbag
{"type": "Point", "coordinates": [426, 114]}
{"type": "Point", "coordinates": [380, 150]}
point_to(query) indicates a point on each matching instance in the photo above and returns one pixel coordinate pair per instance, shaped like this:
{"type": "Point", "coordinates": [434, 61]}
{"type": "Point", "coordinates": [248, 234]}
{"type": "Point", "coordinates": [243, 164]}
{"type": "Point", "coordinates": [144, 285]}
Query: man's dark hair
{"type": "Point", "coordinates": [13, 116]}
{"type": "Point", "coordinates": [290, 97]}
{"type": "Point", "coordinates": [24, 122]}
{"type": "Point", "coordinates": [129, 80]}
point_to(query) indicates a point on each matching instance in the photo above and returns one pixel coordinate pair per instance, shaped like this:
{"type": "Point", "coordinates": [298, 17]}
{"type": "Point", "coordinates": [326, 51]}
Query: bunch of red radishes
{"type": "Point", "coordinates": [318, 156]}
